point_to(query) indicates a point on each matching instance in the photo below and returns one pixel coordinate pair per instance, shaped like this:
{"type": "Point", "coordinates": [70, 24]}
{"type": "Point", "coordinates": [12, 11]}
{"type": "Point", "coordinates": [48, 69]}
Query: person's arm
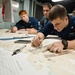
{"type": "Point", "coordinates": [42, 34]}
{"type": "Point", "coordinates": [37, 40]}
{"type": "Point", "coordinates": [35, 27]}
{"type": "Point", "coordinates": [31, 31]}
{"type": "Point", "coordinates": [47, 29]}
{"type": "Point", "coordinates": [71, 44]}
{"type": "Point", "coordinates": [60, 46]}
{"type": "Point", "coordinates": [16, 27]}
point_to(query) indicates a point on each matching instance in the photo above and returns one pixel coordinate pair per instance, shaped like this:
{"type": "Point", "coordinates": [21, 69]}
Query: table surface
{"type": "Point", "coordinates": [42, 63]}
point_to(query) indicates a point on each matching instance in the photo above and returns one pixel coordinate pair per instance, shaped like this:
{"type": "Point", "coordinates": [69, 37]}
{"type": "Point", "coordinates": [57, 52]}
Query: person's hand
{"type": "Point", "coordinates": [37, 40]}
{"type": "Point", "coordinates": [56, 47]}
{"type": "Point", "coordinates": [31, 31]}
{"type": "Point", "coordinates": [14, 29]}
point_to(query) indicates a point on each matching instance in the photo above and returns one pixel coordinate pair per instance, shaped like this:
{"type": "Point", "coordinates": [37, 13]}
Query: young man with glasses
{"type": "Point", "coordinates": [63, 25]}
{"type": "Point", "coordinates": [46, 10]}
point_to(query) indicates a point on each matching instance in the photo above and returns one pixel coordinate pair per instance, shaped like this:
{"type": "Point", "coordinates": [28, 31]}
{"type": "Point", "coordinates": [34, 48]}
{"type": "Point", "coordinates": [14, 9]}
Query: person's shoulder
{"type": "Point", "coordinates": [20, 21]}
{"type": "Point", "coordinates": [71, 17]}
{"type": "Point", "coordinates": [49, 22]}
{"type": "Point", "coordinates": [32, 19]}
{"type": "Point", "coordinates": [43, 18]}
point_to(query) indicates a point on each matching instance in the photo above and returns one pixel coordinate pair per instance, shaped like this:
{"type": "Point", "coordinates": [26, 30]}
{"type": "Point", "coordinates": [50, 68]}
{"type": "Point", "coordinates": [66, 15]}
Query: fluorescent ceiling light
{"type": "Point", "coordinates": [56, 0]}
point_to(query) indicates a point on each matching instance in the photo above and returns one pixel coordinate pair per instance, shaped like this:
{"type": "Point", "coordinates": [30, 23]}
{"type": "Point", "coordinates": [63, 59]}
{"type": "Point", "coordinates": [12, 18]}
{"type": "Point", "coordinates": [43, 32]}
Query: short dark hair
{"type": "Point", "coordinates": [48, 5]}
{"type": "Point", "coordinates": [57, 11]}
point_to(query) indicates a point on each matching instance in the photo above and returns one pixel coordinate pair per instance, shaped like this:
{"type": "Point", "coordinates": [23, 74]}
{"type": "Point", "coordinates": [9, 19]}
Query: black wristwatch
{"type": "Point", "coordinates": [65, 43]}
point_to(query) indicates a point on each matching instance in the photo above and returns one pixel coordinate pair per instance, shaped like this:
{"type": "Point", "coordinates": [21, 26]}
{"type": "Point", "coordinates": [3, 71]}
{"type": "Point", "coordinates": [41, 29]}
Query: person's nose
{"type": "Point", "coordinates": [45, 12]}
{"type": "Point", "coordinates": [23, 18]}
{"type": "Point", "coordinates": [55, 27]}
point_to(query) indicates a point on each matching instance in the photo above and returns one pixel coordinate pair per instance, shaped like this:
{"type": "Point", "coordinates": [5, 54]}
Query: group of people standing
{"type": "Point", "coordinates": [56, 21]}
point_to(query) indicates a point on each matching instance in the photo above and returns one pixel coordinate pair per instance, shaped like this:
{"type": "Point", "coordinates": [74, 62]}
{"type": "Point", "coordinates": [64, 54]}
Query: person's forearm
{"type": "Point", "coordinates": [32, 31]}
{"type": "Point", "coordinates": [71, 44]}
{"type": "Point", "coordinates": [41, 35]}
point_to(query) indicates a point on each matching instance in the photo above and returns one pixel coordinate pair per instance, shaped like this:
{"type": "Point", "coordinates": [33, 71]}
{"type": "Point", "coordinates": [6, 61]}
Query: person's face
{"type": "Point", "coordinates": [46, 11]}
{"type": "Point", "coordinates": [25, 17]}
{"type": "Point", "coordinates": [60, 24]}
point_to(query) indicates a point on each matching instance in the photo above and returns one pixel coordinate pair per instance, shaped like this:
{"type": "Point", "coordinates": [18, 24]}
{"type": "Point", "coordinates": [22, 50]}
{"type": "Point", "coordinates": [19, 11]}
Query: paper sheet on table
{"type": "Point", "coordinates": [18, 65]}
{"type": "Point", "coordinates": [8, 65]}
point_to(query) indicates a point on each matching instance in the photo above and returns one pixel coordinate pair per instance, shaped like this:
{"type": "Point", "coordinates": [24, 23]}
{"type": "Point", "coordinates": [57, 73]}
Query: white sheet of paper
{"type": "Point", "coordinates": [8, 65]}
{"type": "Point", "coordinates": [18, 64]}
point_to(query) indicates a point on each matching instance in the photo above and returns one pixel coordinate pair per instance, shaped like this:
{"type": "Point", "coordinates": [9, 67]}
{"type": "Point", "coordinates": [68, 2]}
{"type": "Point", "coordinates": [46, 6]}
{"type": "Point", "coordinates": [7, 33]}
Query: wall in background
{"type": "Point", "coordinates": [30, 6]}
{"type": "Point", "coordinates": [38, 10]}
{"type": "Point", "coordinates": [16, 17]}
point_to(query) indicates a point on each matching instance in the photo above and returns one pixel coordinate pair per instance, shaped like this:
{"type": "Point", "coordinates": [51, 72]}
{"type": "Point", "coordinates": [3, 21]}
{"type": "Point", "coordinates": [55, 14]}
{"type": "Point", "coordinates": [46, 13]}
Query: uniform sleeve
{"type": "Point", "coordinates": [18, 25]}
{"type": "Point", "coordinates": [48, 28]}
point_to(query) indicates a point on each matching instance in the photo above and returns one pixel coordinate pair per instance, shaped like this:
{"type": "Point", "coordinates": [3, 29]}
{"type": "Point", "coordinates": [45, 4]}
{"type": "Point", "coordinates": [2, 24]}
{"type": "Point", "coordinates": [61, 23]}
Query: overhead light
{"type": "Point", "coordinates": [56, 0]}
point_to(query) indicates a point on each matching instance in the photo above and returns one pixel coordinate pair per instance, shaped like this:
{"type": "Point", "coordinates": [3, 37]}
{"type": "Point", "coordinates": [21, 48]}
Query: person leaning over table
{"type": "Point", "coordinates": [26, 22]}
{"type": "Point", "coordinates": [46, 10]}
{"type": "Point", "coordinates": [64, 27]}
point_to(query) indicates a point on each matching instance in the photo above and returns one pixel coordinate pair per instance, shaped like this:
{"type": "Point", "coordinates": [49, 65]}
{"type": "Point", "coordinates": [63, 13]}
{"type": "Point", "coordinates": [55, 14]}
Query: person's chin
{"type": "Point", "coordinates": [25, 21]}
{"type": "Point", "coordinates": [59, 30]}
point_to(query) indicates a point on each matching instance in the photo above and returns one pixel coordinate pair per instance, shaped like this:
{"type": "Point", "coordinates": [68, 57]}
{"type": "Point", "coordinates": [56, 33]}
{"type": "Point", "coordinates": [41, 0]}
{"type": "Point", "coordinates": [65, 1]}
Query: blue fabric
{"type": "Point", "coordinates": [33, 23]}
{"type": "Point", "coordinates": [44, 21]}
{"type": "Point", "coordinates": [68, 33]}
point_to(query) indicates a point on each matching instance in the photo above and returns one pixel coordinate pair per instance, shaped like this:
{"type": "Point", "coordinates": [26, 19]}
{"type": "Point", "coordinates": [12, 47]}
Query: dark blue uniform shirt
{"type": "Point", "coordinates": [44, 21]}
{"type": "Point", "coordinates": [33, 23]}
{"type": "Point", "coordinates": [67, 33]}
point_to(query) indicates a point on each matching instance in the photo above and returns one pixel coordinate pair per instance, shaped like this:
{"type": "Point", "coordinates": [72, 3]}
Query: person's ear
{"type": "Point", "coordinates": [66, 18]}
